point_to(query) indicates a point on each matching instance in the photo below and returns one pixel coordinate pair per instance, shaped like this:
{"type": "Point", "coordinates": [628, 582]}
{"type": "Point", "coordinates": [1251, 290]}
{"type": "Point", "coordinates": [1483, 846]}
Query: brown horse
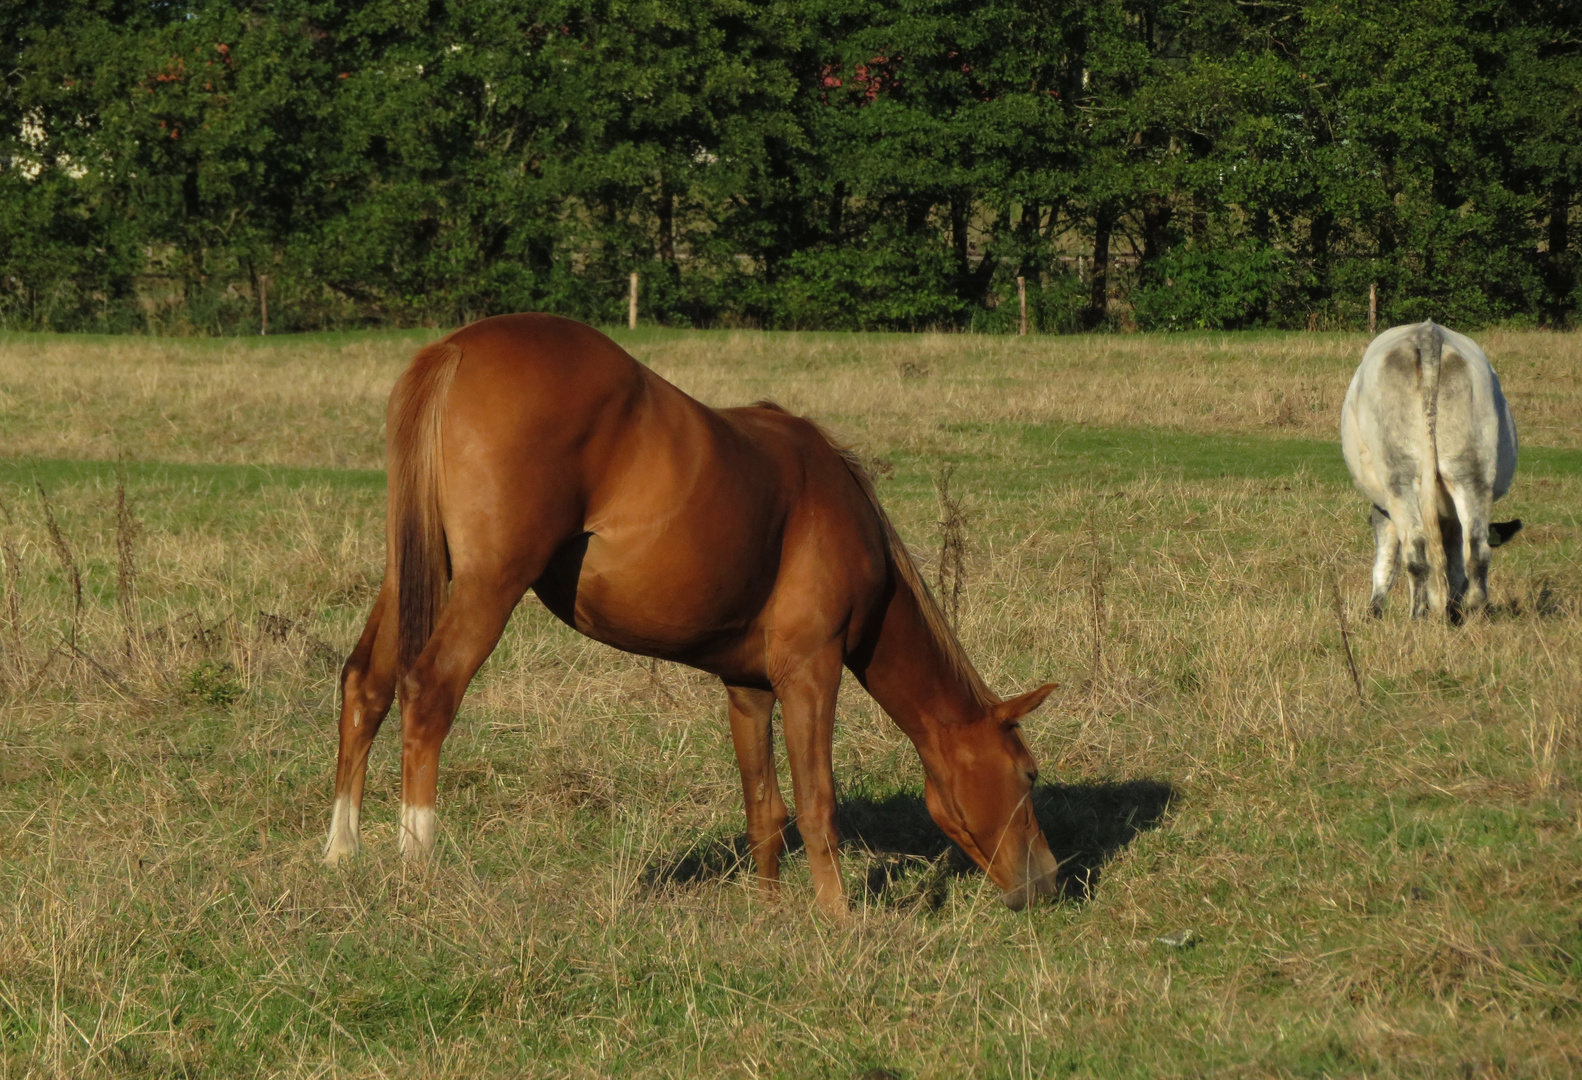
{"type": "Point", "coordinates": [531, 452]}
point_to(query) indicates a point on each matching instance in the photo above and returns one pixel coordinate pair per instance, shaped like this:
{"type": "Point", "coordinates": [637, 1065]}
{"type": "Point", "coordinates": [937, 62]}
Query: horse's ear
{"type": "Point", "coordinates": [1018, 707]}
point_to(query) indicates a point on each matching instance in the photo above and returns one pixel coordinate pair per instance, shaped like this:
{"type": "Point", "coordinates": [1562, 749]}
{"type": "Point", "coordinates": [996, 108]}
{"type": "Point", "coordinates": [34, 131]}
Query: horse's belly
{"type": "Point", "coordinates": [679, 600]}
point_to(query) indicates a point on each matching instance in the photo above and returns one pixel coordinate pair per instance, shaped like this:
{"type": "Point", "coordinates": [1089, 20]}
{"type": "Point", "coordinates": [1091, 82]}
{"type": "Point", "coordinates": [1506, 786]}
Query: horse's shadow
{"type": "Point", "coordinates": [909, 861]}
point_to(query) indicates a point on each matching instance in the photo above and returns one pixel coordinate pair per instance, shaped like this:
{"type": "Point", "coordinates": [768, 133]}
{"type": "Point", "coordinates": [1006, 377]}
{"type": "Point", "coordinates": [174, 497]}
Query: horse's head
{"type": "Point", "coordinates": [979, 790]}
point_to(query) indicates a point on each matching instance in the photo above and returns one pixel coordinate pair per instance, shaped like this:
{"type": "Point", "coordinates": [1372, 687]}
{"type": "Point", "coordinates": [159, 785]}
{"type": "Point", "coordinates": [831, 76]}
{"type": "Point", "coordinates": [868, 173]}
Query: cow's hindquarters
{"type": "Point", "coordinates": [1428, 437]}
{"type": "Point", "coordinates": [1468, 468]}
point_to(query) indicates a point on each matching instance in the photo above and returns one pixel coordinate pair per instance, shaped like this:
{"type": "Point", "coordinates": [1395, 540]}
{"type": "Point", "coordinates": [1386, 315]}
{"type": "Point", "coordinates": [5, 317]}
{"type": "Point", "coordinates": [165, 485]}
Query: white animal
{"type": "Point", "coordinates": [1428, 437]}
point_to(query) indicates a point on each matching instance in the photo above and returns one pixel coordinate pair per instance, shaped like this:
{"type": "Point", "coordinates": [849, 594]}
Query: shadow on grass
{"type": "Point", "coordinates": [911, 862]}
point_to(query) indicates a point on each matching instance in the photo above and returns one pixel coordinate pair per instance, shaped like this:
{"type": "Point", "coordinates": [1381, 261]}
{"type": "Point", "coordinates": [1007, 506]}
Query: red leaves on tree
{"type": "Point", "coordinates": [868, 80]}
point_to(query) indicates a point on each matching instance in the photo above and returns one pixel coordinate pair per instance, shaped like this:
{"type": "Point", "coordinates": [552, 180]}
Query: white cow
{"type": "Point", "coordinates": [1428, 437]}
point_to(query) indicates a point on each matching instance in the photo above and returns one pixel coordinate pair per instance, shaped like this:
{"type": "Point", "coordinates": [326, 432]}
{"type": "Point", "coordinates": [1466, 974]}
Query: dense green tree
{"type": "Point", "coordinates": [166, 165]}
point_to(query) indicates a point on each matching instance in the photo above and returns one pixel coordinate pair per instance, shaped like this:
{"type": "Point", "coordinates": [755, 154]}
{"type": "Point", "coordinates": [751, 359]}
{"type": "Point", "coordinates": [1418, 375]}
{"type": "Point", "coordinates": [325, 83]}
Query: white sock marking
{"type": "Point", "coordinates": [417, 830]}
{"type": "Point", "coordinates": [344, 826]}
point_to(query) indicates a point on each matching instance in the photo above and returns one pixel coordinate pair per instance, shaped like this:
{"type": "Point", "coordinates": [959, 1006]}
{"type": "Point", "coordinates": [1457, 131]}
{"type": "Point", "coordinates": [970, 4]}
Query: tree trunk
{"type": "Point", "coordinates": [1559, 219]}
{"type": "Point", "coordinates": [960, 206]}
{"type": "Point", "coordinates": [1384, 223]}
{"type": "Point", "coordinates": [667, 226]}
{"type": "Point", "coordinates": [1027, 237]}
{"type": "Point", "coordinates": [1560, 265]}
{"type": "Point", "coordinates": [837, 209]}
{"type": "Point", "coordinates": [1099, 294]}
{"type": "Point", "coordinates": [1156, 219]}
{"type": "Point", "coordinates": [1318, 233]}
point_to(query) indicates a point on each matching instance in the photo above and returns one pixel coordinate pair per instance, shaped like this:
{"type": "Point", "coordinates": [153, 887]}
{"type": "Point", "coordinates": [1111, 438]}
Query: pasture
{"type": "Point", "coordinates": [1384, 884]}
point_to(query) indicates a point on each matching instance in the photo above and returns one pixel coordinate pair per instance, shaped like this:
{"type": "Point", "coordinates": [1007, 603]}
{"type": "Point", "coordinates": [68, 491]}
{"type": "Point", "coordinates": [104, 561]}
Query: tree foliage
{"type": "Point", "coordinates": [828, 163]}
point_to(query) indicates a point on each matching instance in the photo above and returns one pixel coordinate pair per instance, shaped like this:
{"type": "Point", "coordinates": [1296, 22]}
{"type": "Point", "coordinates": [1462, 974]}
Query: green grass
{"type": "Point", "coordinates": [1384, 888]}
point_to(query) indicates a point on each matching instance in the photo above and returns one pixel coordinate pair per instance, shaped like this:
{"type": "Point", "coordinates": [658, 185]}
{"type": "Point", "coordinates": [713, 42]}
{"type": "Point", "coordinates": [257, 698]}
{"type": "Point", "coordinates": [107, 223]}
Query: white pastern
{"type": "Point", "coordinates": [417, 831]}
{"type": "Point", "coordinates": [344, 824]}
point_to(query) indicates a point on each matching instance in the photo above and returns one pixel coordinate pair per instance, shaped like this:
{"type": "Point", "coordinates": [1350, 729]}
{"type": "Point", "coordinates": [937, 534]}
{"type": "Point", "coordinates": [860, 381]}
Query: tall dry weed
{"type": "Point", "coordinates": [11, 563]}
{"type": "Point", "coordinates": [126, 530]}
{"type": "Point", "coordinates": [951, 579]}
{"type": "Point", "coordinates": [68, 565]}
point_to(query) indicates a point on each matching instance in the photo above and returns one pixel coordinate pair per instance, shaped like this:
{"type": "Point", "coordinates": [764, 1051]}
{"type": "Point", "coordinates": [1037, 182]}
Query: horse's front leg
{"type": "Point", "coordinates": [807, 695]}
{"type": "Point", "coordinates": [753, 734]}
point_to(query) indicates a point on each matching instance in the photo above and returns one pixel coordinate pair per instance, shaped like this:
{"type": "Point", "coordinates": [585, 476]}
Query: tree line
{"type": "Point", "coordinates": [187, 167]}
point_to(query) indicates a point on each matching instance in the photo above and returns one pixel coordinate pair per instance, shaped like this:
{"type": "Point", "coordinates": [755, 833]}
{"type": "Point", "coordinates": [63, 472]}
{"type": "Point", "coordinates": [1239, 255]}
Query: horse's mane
{"type": "Point", "coordinates": [939, 628]}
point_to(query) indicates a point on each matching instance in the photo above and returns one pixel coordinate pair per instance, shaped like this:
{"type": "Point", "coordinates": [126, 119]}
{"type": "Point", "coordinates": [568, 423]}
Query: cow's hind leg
{"type": "Point", "coordinates": [1455, 566]}
{"type": "Point", "coordinates": [1414, 551]}
{"type": "Point", "coordinates": [468, 628]}
{"type": "Point", "coordinates": [752, 732]}
{"type": "Point", "coordinates": [1474, 508]}
{"type": "Point", "coordinates": [367, 688]}
{"type": "Point", "coordinates": [1386, 560]}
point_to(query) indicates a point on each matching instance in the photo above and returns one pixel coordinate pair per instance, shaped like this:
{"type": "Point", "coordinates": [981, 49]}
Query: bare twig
{"type": "Point", "coordinates": [13, 586]}
{"type": "Point", "coordinates": [1345, 635]}
{"type": "Point", "coordinates": [68, 564]}
{"type": "Point", "coordinates": [105, 673]}
{"type": "Point", "coordinates": [952, 577]}
{"type": "Point", "coordinates": [1096, 608]}
{"type": "Point", "coordinates": [126, 530]}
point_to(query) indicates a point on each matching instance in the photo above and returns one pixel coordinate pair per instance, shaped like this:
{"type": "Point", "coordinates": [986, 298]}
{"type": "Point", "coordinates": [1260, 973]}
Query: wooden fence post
{"type": "Point", "coordinates": [263, 304]}
{"type": "Point", "coordinates": [1373, 307]}
{"type": "Point", "coordinates": [631, 305]}
{"type": "Point", "coordinates": [1021, 298]}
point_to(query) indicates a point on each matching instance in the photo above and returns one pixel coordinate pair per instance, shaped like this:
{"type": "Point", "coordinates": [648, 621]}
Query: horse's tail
{"type": "Point", "coordinates": [1430, 347]}
{"type": "Point", "coordinates": [420, 562]}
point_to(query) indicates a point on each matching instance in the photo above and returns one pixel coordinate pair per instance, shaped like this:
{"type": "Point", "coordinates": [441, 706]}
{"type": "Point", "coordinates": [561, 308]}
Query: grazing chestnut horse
{"type": "Point", "coordinates": [531, 452]}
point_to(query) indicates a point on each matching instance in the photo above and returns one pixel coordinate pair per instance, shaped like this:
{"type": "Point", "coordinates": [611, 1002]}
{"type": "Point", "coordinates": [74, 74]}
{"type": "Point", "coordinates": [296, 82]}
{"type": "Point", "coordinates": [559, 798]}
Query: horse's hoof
{"type": "Point", "coordinates": [339, 853]}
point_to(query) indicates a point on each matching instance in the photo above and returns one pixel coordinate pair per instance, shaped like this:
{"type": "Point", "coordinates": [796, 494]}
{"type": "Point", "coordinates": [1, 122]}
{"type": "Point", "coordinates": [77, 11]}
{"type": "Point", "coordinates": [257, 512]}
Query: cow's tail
{"type": "Point", "coordinates": [419, 561]}
{"type": "Point", "coordinates": [1430, 346]}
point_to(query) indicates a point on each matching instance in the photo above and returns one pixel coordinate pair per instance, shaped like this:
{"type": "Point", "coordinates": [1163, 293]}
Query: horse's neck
{"type": "Point", "coordinates": [913, 676]}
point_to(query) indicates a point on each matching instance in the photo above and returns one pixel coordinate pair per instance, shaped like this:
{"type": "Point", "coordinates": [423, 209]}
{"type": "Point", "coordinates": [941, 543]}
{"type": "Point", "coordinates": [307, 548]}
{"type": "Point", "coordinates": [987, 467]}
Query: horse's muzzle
{"type": "Point", "coordinates": [1042, 885]}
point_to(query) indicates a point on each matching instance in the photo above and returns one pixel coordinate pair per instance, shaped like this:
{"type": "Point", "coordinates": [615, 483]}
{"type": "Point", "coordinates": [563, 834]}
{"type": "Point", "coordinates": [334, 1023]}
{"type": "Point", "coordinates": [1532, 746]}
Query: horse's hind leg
{"type": "Point", "coordinates": [367, 688]}
{"type": "Point", "coordinates": [469, 626]}
{"type": "Point", "coordinates": [751, 731]}
{"type": "Point", "coordinates": [807, 695]}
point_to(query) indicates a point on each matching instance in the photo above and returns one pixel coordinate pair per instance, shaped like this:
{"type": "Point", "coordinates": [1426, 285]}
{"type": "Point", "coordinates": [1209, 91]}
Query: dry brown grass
{"type": "Point", "coordinates": [319, 400]}
{"type": "Point", "coordinates": [1388, 888]}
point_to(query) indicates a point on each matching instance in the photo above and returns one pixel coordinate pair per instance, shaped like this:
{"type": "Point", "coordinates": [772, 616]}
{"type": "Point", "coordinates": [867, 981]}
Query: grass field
{"type": "Point", "coordinates": [1388, 885]}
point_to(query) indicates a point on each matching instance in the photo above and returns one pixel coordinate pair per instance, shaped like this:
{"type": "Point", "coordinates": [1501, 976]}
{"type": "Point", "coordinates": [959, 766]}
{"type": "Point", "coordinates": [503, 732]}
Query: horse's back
{"type": "Point", "coordinates": [676, 529]}
{"type": "Point", "coordinates": [543, 364]}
